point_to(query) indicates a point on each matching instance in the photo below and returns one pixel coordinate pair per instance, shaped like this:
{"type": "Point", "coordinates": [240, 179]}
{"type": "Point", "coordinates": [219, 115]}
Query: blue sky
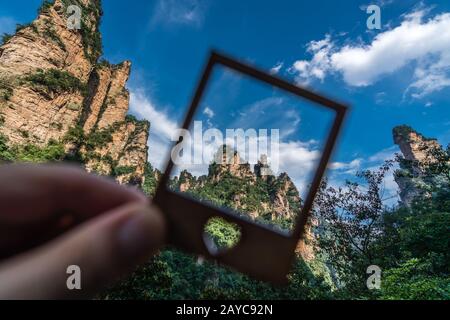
{"type": "Point", "coordinates": [397, 75]}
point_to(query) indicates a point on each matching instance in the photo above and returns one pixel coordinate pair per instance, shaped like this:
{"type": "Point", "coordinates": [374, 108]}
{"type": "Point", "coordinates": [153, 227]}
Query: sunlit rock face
{"type": "Point", "coordinates": [53, 88]}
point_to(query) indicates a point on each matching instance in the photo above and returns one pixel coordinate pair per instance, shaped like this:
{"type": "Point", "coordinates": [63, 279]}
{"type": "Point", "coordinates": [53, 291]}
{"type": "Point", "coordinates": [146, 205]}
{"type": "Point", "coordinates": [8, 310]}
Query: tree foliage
{"type": "Point", "coordinates": [55, 81]}
{"type": "Point", "coordinates": [176, 275]}
{"type": "Point", "coordinates": [410, 244]}
{"type": "Point", "coordinates": [53, 151]}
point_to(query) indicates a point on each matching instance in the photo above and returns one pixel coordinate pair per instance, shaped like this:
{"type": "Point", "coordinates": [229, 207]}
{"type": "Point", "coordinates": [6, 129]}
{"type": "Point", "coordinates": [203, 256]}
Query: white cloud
{"type": "Point", "coordinates": [360, 163]}
{"type": "Point", "coordinates": [416, 40]}
{"type": "Point", "coordinates": [385, 154]}
{"type": "Point", "coordinates": [162, 127]}
{"type": "Point", "coordinates": [320, 63]}
{"type": "Point", "coordinates": [262, 104]}
{"type": "Point", "coordinates": [299, 160]}
{"type": "Point", "coordinates": [208, 112]}
{"type": "Point", "coordinates": [347, 167]}
{"type": "Point", "coordinates": [431, 77]}
{"type": "Point", "coordinates": [276, 68]}
{"type": "Point", "coordinates": [259, 115]}
{"type": "Point", "coordinates": [141, 105]}
{"type": "Point", "coordinates": [182, 12]}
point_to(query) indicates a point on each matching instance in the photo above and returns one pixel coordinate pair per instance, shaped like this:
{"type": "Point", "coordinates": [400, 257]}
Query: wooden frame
{"type": "Point", "coordinates": [262, 252]}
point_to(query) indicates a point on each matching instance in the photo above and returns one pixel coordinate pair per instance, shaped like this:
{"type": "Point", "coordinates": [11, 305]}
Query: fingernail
{"type": "Point", "coordinates": [141, 234]}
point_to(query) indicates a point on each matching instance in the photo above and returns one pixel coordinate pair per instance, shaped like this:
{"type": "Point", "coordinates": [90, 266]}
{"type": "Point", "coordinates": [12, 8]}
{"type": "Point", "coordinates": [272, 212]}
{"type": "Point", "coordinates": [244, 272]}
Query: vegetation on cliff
{"type": "Point", "coordinates": [6, 36]}
{"type": "Point", "coordinates": [90, 22]}
{"type": "Point", "coordinates": [90, 28]}
{"type": "Point", "coordinates": [55, 81]}
{"type": "Point", "coordinates": [355, 230]}
{"type": "Point", "coordinates": [270, 199]}
{"type": "Point", "coordinates": [6, 89]}
{"type": "Point", "coordinates": [66, 94]}
{"type": "Point", "coordinates": [53, 151]}
{"type": "Point", "coordinates": [151, 178]}
{"type": "Point", "coordinates": [423, 167]}
{"type": "Point", "coordinates": [175, 275]}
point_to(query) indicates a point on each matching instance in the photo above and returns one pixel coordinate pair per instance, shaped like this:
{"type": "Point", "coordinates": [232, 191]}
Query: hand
{"type": "Point", "coordinates": [52, 217]}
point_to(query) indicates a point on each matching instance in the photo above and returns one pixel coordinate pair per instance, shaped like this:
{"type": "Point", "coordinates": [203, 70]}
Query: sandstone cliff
{"type": "Point", "coordinates": [419, 154]}
{"type": "Point", "coordinates": [54, 90]}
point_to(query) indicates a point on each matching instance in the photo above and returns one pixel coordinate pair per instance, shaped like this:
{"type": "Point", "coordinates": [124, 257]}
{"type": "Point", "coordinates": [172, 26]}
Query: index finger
{"type": "Point", "coordinates": [39, 202]}
{"type": "Point", "coordinates": [30, 193]}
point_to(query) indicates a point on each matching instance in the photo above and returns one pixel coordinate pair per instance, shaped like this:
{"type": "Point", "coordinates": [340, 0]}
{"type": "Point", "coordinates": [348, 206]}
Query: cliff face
{"type": "Point", "coordinates": [52, 89]}
{"type": "Point", "coordinates": [419, 154]}
{"type": "Point", "coordinates": [259, 194]}
{"type": "Point", "coordinates": [47, 42]}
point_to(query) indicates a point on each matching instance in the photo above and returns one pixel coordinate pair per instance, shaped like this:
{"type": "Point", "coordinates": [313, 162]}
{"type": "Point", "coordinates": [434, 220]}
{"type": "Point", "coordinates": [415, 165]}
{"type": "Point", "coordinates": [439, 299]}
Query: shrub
{"type": "Point", "coordinates": [150, 181]}
{"type": "Point", "coordinates": [413, 280]}
{"type": "Point", "coordinates": [98, 138]}
{"type": "Point", "coordinates": [123, 170]}
{"type": "Point", "coordinates": [56, 125]}
{"type": "Point", "coordinates": [104, 63]}
{"type": "Point", "coordinates": [6, 88]}
{"type": "Point", "coordinates": [56, 81]}
{"type": "Point", "coordinates": [45, 7]}
{"type": "Point", "coordinates": [75, 135]}
{"type": "Point", "coordinates": [131, 118]}
{"type": "Point", "coordinates": [92, 42]}
{"type": "Point", "coordinates": [6, 93]}
{"type": "Point", "coordinates": [24, 133]}
{"type": "Point", "coordinates": [5, 154]}
{"type": "Point", "coordinates": [224, 234]}
{"type": "Point", "coordinates": [53, 151]}
{"type": "Point", "coordinates": [31, 25]}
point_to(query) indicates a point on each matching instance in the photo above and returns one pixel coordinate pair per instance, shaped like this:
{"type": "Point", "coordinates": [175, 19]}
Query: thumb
{"type": "Point", "coordinates": [104, 248]}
